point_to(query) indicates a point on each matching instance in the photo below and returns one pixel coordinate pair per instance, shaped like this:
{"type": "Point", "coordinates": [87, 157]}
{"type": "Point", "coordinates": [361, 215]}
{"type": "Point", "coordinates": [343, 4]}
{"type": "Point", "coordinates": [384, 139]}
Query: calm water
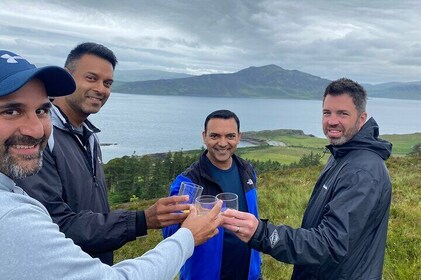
{"type": "Point", "coordinates": [144, 124]}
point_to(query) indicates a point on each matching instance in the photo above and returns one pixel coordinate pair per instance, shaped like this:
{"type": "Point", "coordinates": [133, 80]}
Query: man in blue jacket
{"type": "Point", "coordinates": [220, 170]}
{"type": "Point", "coordinates": [344, 228]}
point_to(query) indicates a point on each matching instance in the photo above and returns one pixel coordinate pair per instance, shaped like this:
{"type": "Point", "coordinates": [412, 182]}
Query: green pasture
{"type": "Point", "coordinates": [283, 196]}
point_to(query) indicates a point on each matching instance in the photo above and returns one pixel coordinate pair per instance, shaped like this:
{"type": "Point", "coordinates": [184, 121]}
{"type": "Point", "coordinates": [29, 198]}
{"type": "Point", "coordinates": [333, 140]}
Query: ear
{"type": "Point", "coordinates": [204, 136]}
{"type": "Point", "coordinates": [363, 118]}
{"type": "Point", "coordinates": [239, 136]}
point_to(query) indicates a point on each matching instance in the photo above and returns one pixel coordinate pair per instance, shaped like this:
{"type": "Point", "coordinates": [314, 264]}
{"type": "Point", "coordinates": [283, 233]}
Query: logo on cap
{"type": "Point", "coordinates": [11, 59]}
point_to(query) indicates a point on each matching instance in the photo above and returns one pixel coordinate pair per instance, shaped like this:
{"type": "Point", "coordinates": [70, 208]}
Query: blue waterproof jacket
{"type": "Point", "coordinates": [205, 264]}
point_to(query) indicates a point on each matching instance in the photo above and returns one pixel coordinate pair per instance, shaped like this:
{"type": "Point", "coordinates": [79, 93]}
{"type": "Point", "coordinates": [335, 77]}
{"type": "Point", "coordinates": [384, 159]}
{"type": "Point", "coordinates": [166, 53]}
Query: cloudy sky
{"type": "Point", "coordinates": [369, 41]}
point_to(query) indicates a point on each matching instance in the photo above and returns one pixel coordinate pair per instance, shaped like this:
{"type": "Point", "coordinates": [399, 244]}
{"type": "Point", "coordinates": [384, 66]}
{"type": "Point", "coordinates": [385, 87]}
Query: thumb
{"type": "Point", "coordinates": [216, 209]}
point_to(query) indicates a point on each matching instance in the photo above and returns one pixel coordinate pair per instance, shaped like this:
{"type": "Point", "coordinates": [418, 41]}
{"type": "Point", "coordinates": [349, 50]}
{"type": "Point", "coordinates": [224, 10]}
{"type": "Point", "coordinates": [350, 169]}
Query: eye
{"type": "Point", "coordinates": [108, 84]}
{"type": "Point", "coordinates": [231, 137]}
{"type": "Point", "coordinates": [11, 112]}
{"type": "Point", "coordinates": [43, 111]}
{"type": "Point", "coordinates": [90, 78]}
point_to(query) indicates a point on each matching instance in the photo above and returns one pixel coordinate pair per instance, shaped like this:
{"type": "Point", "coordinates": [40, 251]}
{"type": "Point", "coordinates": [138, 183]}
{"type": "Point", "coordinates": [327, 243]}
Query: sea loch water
{"type": "Point", "coordinates": [143, 124]}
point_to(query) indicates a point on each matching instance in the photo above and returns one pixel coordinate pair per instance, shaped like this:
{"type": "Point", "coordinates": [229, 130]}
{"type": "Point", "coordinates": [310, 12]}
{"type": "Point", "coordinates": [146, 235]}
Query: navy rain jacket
{"type": "Point", "coordinates": [344, 228]}
{"type": "Point", "coordinates": [73, 190]}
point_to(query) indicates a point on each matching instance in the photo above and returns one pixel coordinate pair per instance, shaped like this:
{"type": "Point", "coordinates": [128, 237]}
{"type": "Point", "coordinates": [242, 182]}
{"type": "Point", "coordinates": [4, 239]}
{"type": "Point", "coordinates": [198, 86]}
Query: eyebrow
{"type": "Point", "coordinates": [17, 105]}
{"type": "Point", "coordinates": [96, 75]}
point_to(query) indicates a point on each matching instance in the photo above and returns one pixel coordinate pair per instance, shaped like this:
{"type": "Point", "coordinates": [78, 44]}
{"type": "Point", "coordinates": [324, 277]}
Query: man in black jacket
{"type": "Point", "coordinates": [71, 183]}
{"type": "Point", "coordinates": [344, 228]}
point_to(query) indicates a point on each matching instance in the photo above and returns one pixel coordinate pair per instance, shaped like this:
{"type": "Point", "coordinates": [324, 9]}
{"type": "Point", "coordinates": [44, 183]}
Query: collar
{"type": "Point", "coordinates": [6, 183]}
{"type": "Point", "coordinates": [61, 121]}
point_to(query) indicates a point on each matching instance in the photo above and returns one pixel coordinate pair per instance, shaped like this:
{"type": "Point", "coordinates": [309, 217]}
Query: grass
{"type": "Point", "coordinates": [283, 196]}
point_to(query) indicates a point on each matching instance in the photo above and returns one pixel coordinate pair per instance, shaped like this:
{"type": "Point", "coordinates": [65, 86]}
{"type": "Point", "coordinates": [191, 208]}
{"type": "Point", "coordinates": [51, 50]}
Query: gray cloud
{"type": "Point", "coordinates": [369, 41]}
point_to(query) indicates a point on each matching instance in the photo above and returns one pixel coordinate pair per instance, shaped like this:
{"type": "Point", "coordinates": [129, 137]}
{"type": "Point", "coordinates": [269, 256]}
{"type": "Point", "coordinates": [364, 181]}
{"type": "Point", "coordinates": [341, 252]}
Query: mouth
{"type": "Point", "coordinates": [24, 150]}
{"type": "Point", "coordinates": [222, 151]}
{"type": "Point", "coordinates": [97, 99]}
{"type": "Point", "coordinates": [334, 132]}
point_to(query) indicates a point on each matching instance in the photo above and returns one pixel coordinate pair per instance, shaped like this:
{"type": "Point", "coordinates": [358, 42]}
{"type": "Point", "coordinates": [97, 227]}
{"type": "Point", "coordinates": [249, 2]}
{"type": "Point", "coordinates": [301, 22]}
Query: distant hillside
{"type": "Point", "coordinates": [145, 75]}
{"type": "Point", "coordinates": [269, 81]}
{"type": "Point", "coordinates": [410, 90]}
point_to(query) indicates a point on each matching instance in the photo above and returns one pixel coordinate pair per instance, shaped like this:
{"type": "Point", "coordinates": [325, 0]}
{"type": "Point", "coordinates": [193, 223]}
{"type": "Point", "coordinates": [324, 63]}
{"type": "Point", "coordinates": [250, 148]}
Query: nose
{"type": "Point", "coordinates": [332, 120]}
{"type": "Point", "coordinates": [222, 142]}
{"type": "Point", "coordinates": [33, 126]}
{"type": "Point", "coordinates": [101, 88]}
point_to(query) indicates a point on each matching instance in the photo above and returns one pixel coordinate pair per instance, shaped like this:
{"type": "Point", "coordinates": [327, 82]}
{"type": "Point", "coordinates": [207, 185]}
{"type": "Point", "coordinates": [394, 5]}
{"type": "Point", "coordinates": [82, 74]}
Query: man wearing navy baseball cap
{"type": "Point", "coordinates": [16, 71]}
{"type": "Point", "coordinates": [32, 247]}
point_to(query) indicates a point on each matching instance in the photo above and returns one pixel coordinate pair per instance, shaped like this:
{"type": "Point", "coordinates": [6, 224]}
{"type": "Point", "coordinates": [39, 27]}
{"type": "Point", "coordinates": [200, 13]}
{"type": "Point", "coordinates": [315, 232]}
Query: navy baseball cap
{"type": "Point", "coordinates": [16, 71]}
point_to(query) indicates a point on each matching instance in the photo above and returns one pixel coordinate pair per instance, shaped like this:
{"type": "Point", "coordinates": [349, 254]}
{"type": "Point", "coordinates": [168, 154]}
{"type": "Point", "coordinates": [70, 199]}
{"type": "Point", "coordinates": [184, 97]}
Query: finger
{"type": "Point", "coordinates": [216, 209]}
{"type": "Point", "coordinates": [193, 210]}
{"type": "Point", "coordinates": [175, 216]}
{"type": "Point", "coordinates": [230, 221]}
{"type": "Point", "coordinates": [174, 199]}
{"type": "Point", "coordinates": [177, 207]}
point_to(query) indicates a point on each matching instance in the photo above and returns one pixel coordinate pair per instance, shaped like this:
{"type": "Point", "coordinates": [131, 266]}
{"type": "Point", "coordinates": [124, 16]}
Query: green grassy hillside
{"type": "Point", "coordinates": [283, 196]}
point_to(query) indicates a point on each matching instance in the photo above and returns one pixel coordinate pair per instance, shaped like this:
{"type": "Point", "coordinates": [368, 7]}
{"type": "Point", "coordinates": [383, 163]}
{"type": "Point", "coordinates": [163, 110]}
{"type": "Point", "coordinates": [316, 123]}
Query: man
{"type": "Point", "coordinates": [344, 228]}
{"type": "Point", "coordinates": [32, 247]}
{"type": "Point", "coordinates": [220, 170]}
{"type": "Point", "coordinates": [71, 183]}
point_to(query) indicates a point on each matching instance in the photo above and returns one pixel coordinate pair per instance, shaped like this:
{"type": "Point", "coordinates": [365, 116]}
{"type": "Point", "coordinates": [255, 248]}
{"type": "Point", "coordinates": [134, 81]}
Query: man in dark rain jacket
{"type": "Point", "coordinates": [71, 183]}
{"type": "Point", "coordinates": [344, 228]}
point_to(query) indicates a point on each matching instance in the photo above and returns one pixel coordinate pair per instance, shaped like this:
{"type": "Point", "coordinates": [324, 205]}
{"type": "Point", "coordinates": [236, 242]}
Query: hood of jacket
{"type": "Point", "coordinates": [365, 139]}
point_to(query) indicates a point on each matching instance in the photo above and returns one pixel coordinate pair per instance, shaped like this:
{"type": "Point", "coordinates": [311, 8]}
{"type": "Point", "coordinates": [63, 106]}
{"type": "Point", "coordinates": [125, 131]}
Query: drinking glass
{"type": "Point", "coordinates": [229, 200]}
{"type": "Point", "coordinates": [205, 203]}
{"type": "Point", "coordinates": [190, 189]}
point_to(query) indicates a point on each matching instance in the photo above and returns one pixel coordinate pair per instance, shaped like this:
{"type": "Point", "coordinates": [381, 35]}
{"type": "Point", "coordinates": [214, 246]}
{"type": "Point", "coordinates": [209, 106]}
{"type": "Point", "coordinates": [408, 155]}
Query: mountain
{"type": "Point", "coordinates": [145, 75]}
{"type": "Point", "coordinates": [410, 90]}
{"type": "Point", "coordinates": [270, 81]}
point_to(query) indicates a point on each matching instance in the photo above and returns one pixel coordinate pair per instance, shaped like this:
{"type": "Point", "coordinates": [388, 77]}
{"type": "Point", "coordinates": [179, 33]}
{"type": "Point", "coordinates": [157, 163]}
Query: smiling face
{"type": "Point", "coordinates": [221, 139]}
{"type": "Point", "coordinates": [341, 120]}
{"type": "Point", "coordinates": [24, 130]}
{"type": "Point", "coordinates": [93, 76]}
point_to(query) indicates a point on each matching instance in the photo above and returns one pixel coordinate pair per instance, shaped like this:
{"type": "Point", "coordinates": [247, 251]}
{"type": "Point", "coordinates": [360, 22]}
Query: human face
{"type": "Point", "coordinates": [24, 130]}
{"type": "Point", "coordinates": [341, 120]}
{"type": "Point", "coordinates": [221, 139]}
{"type": "Point", "coordinates": [93, 76]}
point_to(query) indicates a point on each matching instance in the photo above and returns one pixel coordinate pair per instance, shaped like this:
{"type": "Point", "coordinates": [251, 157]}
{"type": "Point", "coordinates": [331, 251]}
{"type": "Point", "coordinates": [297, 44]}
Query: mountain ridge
{"type": "Point", "coordinates": [268, 81]}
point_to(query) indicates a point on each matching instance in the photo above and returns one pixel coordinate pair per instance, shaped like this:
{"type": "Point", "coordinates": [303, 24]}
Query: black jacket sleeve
{"type": "Point", "coordinates": [94, 232]}
{"type": "Point", "coordinates": [347, 218]}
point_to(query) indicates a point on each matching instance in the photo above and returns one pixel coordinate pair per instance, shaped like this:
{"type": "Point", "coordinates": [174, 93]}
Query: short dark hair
{"type": "Point", "coordinates": [222, 114]}
{"type": "Point", "coordinates": [353, 89]}
{"type": "Point", "coordinates": [89, 48]}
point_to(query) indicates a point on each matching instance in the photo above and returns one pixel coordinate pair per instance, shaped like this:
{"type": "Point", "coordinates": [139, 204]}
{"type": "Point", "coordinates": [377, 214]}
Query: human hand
{"type": "Point", "coordinates": [242, 224]}
{"type": "Point", "coordinates": [205, 226]}
{"type": "Point", "coordinates": [166, 211]}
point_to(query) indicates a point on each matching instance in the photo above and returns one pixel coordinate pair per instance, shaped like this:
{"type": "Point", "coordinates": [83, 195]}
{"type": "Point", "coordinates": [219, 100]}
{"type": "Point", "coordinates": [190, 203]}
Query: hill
{"type": "Point", "coordinates": [145, 75]}
{"type": "Point", "coordinates": [410, 90]}
{"type": "Point", "coordinates": [270, 81]}
{"type": "Point", "coordinates": [283, 196]}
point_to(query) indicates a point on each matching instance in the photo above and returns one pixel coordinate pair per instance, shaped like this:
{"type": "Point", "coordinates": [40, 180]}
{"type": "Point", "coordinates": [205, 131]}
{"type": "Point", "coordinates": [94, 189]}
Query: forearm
{"type": "Point", "coordinates": [39, 251]}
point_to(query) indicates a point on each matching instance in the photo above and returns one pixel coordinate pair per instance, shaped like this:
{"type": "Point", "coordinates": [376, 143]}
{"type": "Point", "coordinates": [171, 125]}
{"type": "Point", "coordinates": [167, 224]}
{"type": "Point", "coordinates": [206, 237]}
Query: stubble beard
{"type": "Point", "coordinates": [21, 166]}
{"type": "Point", "coordinates": [346, 137]}
{"type": "Point", "coordinates": [15, 171]}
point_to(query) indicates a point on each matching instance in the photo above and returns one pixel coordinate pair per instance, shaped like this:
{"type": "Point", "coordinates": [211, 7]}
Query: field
{"type": "Point", "coordinates": [283, 196]}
